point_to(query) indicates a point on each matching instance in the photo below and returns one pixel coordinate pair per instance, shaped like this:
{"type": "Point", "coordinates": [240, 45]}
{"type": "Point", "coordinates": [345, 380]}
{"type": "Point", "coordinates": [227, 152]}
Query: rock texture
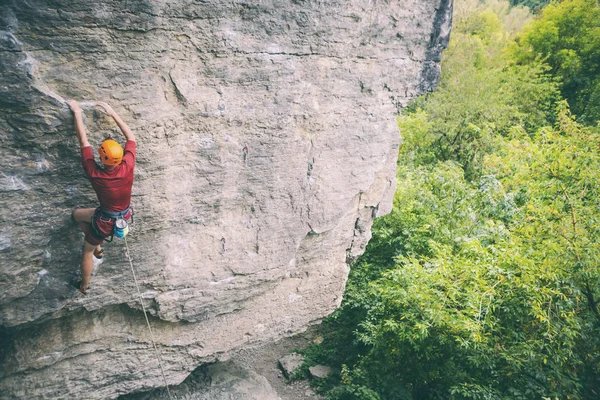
{"type": "Point", "coordinates": [266, 145]}
{"type": "Point", "coordinates": [319, 371]}
{"type": "Point", "coordinates": [219, 381]}
{"type": "Point", "coordinates": [290, 363]}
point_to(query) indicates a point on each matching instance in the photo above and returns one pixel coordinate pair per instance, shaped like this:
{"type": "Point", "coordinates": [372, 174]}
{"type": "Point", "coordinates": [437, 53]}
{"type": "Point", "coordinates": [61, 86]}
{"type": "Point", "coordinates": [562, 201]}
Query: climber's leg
{"type": "Point", "coordinates": [83, 217]}
{"type": "Point", "coordinates": [87, 265]}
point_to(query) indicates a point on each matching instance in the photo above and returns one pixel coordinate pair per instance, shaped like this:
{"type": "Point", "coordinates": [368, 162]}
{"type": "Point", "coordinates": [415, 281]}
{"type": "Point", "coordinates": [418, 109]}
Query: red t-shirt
{"type": "Point", "coordinates": [113, 187]}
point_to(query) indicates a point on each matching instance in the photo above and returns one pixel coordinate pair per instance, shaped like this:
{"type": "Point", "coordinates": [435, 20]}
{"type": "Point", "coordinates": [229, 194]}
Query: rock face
{"type": "Point", "coordinates": [319, 371]}
{"type": "Point", "coordinates": [219, 381]}
{"type": "Point", "coordinates": [266, 145]}
{"type": "Point", "coordinates": [290, 363]}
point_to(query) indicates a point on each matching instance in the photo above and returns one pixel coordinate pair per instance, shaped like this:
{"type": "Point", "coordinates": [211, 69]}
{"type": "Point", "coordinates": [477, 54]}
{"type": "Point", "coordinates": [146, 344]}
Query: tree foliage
{"type": "Point", "coordinates": [567, 38]}
{"type": "Point", "coordinates": [534, 5]}
{"type": "Point", "coordinates": [481, 95]}
{"type": "Point", "coordinates": [484, 280]}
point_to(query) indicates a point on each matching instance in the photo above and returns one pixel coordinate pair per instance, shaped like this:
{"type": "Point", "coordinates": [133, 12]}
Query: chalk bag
{"type": "Point", "coordinates": [121, 228]}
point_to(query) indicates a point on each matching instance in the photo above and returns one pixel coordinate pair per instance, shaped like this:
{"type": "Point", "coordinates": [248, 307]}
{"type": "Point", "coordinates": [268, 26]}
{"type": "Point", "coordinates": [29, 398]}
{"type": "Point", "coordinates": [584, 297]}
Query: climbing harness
{"type": "Point", "coordinates": [120, 227]}
{"type": "Point", "coordinates": [147, 320]}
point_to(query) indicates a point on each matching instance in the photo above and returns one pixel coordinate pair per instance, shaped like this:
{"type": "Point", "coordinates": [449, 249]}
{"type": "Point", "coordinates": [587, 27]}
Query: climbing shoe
{"type": "Point", "coordinates": [84, 290]}
{"type": "Point", "coordinates": [99, 253]}
{"type": "Point", "coordinates": [76, 283]}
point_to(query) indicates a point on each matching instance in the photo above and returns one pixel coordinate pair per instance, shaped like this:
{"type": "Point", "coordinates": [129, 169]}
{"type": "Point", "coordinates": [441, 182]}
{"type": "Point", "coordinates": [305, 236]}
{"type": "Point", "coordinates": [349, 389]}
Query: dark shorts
{"type": "Point", "coordinates": [102, 228]}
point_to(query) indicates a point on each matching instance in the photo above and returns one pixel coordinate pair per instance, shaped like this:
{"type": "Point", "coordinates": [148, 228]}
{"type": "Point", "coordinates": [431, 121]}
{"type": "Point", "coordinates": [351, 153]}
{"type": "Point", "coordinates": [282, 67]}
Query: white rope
{"type": "Point", "coordinates": [147, 321]}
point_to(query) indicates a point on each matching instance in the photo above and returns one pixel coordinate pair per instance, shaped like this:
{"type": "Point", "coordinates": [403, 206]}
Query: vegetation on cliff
{"type": "Point", "coordinates": [484, 281]}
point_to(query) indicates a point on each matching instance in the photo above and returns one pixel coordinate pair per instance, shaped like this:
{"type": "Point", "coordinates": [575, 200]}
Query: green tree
{"type": "Point", "coordinates": [534, 5]}
{"type": "Point", "coordinates": [556, 177]}
{"type": "Point", "coordinates": [567, 38]}
{"type": "Point", "coordinates": [481, 95]}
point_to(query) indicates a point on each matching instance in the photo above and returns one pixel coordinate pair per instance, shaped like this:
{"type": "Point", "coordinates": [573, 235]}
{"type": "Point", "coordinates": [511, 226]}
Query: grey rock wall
{"type": "Point", "coordinates": [267, 143]}
{"type": "Point", "coordinates": [219, 381]}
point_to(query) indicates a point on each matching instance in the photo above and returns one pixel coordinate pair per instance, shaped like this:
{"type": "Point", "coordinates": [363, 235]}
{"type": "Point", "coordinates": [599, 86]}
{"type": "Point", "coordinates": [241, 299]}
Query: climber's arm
{"type": "Point", "coordinates": [79, 127]}
{"type": "Point", "coordinates": [122, 125]}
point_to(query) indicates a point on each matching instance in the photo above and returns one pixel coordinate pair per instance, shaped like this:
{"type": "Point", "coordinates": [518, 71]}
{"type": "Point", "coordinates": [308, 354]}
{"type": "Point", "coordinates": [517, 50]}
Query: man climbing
{"type": "Point", "coordinates": [112, 185]}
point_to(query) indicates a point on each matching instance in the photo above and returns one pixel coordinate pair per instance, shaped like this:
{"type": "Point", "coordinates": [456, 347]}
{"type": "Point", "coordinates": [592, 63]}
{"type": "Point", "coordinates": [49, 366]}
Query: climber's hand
{"type": "Point", "coordinates": [108, 109]}
{"type": "Point", "coordinates": [74, 106]}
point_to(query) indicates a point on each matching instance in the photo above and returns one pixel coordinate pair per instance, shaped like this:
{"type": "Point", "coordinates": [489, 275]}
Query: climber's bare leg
{"type": "Point", "coordinates": [87, 264]}
{"type": "Point", "coordinates": [83, 217]}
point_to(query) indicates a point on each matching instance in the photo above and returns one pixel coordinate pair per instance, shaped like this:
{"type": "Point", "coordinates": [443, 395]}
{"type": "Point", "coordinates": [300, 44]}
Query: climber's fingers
{"type": "Point", "coordinates": [107, 108]}
{"type": "Point", "coordinates": [74, 106]}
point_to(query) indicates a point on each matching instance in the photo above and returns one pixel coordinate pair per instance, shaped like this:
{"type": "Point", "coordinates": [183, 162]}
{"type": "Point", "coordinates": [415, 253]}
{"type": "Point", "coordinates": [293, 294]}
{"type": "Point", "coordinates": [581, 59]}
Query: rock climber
{"type": "Point", "coordinates": [112, 184]}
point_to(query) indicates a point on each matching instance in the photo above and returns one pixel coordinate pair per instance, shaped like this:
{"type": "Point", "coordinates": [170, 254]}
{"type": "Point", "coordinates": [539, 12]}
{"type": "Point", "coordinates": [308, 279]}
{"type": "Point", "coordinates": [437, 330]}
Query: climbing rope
{"type": "Point", "coordinates": [147, 320]}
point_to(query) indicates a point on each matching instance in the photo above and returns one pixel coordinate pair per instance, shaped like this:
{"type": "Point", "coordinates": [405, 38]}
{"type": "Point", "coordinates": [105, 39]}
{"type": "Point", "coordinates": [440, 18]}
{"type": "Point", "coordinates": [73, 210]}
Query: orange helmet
{"type": "Point", "coordinates": [111, 152]}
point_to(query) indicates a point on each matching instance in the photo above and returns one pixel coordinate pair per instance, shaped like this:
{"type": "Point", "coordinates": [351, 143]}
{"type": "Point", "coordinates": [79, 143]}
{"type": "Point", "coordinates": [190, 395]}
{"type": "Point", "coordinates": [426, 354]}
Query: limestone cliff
{"type": "Point", "coordinates": [267, 143]}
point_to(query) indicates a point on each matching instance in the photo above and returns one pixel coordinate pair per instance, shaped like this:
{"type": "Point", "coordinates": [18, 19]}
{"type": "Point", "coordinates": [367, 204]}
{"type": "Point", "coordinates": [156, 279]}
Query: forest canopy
{"type": "Point", "coordinates": [567, 38]}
